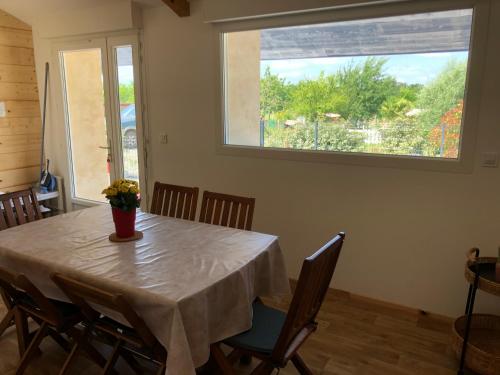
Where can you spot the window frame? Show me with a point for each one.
(477, 52)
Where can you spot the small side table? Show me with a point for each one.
(52, 196)
(480, 273)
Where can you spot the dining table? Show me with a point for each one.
(192, 283)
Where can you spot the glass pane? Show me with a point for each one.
(84, 94)
(127, 112)
(393, 85)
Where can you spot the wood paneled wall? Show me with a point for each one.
(20, 122)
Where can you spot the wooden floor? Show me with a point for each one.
(356, 336)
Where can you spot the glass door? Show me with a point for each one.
(83, 68)
(102, 101)
(126, 105)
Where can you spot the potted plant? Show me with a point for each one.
(124, 198)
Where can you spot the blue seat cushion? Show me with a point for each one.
(266, 328)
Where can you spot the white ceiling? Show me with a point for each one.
(29, 10)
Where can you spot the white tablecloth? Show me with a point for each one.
(192, 283)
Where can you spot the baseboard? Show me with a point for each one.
(344, 295)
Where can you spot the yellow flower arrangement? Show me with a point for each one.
(123, 194)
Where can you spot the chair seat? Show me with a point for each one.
(66, 309)
(267, 324)
(108, 326)
(107, 330)
(119, 327)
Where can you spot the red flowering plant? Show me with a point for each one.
(447, 134)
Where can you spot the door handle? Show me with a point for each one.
(104, 148)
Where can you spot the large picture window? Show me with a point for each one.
(392, 86)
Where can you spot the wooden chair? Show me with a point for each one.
(275, 336)
(174, 201)
(23, 300)
(128, 341)
(227, 210)
(18, 208)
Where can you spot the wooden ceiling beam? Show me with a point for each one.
(180, 7)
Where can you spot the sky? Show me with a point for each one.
(126, 74)
(410, 68)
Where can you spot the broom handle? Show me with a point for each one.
(472, 255)
(42, 156)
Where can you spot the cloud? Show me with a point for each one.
(286, 64)
(436, 55)
(326, 61)
(294, 74)
(413, 73)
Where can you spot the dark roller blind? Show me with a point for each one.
(418, 33)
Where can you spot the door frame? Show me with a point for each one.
(64, 165)
(112, 43)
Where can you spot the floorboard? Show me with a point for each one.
(356, 336)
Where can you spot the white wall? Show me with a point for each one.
(215, 10)
(51, 27)
(53, 19)
(407, 230)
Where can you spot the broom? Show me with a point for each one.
(47, 182)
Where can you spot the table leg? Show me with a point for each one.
(469, 308)
(22, 330)
(469, 298)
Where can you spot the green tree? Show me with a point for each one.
(442, 94)
(336, 137)
(363, 88)
(395, 107)
(312, 99)
(401, 136)
(399, 105)
(410, 92)
(126, 92)
(331, 137)
(274, 95)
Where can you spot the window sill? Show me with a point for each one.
(355, 159)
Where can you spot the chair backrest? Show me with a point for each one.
(174, 201)
(13, 286)
(314, 281)
(18, 208)
(227, 210)
(83, 295)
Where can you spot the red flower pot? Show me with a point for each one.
(124, 222)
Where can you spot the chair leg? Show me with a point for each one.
(82, 339)
(7, 301)
(112, 360)
(264, 368)
(94, 354)
(246, 359)
(300, 365)
(61, 341)
(221, 359)
(82, 343)
(236, 355)
(7, 321)
(32, 348)
(72, 354)
(22, 330)
(161, 369)
(132, 362)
